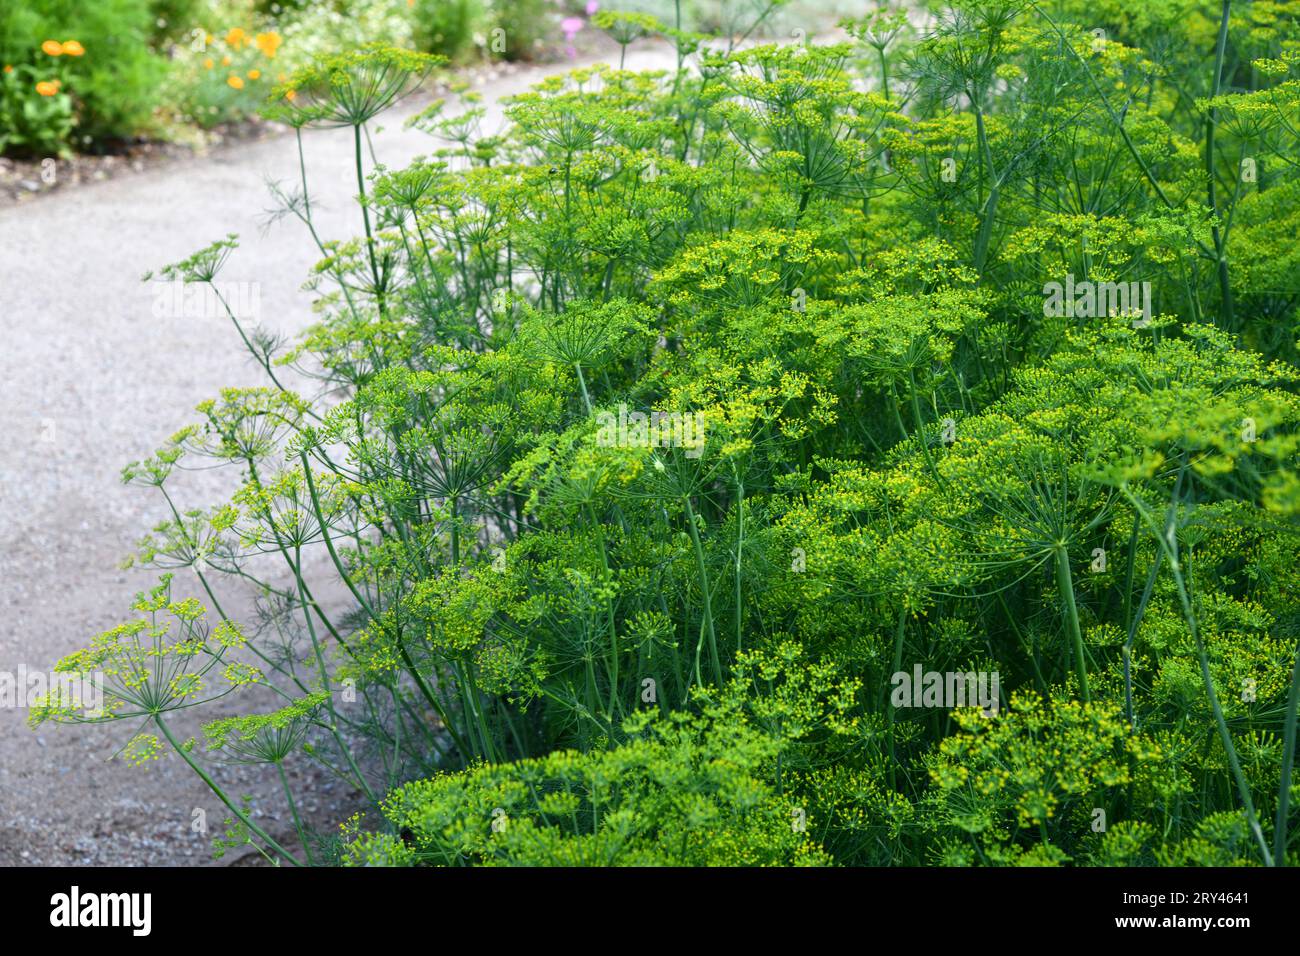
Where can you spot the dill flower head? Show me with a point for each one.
(586, 333)
(202, 266)
(265, 738)
(350, 89)
(167, 658)
(625, 27)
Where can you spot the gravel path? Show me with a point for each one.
(91, 380)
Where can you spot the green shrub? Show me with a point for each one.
(228, 75)
(678, 790)
(173, 20)
(323, 29)
(36, 118)
(524, 24)
(448, 27)
(114, 85)
(682, 792)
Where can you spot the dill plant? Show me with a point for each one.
(567, 650)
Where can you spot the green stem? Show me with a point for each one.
(365, 214)
(1211, 124)
(221, 794)
(455, 534)
(1281, 823)
(991, 201)
(293, 809)
(704, 588)
(890, 711)
(425, 691)
(1243, 789)
(740, 545)
(1168, 542)
(1065, 584)
(582, 381)
(920, 431)
(609, 619)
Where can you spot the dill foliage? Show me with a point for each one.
(652, 435)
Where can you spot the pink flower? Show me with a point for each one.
(592, 7)
(571, 26)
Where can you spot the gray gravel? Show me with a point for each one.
(91, 380)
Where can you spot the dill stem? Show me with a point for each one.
(221, 794)
(425, 691)
(1065, 584)
(1288, 765)
(293, 809)
(704, 589)
(890, 711)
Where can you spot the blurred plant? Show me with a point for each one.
(107, 79)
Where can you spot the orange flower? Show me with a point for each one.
(208, 64)
(9, 68)
(236, 81)
(268, 43)
(291, 95)
(225, 61)
(52, 47)
(73, 48)
(47, 87)
(254, 74)
(236, 37)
